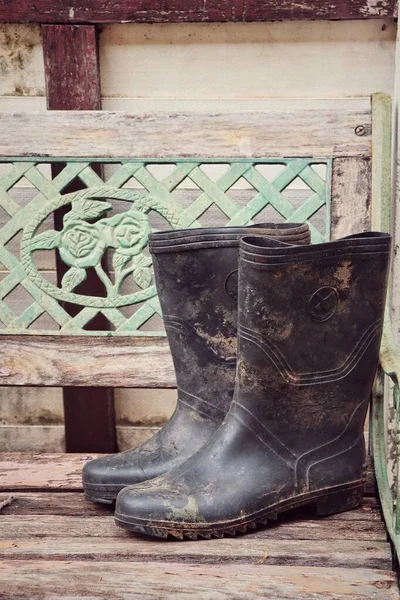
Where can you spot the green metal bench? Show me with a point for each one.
(160, 171)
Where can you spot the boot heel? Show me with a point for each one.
(336, 502)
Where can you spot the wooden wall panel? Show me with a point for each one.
(232, 61)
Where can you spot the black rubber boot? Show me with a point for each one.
(310, 323)
(196, 276)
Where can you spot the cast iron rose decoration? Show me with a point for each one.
(81, 244)
(130, 232)
(87, 236)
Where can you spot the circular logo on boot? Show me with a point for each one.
(231, 285)
(323, 303)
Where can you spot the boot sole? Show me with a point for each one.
(328, 501)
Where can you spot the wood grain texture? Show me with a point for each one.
(241, 550)
(29, 526)
(54, 544)
(351, 196)
(20, 471)
(185, 11)
(74, 504)
(127, 580)
(86, 361)
(92, 134)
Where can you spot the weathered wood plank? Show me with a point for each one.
(38, 471)
(74, 504)
(351, 196)
(83, 361)
(337, 553)
(29, 526)
(20, 471)
(179, 11)
(326, 133)
(127, 581)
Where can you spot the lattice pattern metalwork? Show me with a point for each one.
(240, 191)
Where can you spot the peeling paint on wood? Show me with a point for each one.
(185, 11)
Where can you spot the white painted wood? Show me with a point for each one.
(231, 105)
(32, 438)
(130, 437)
(234, 60)
(21, 61)
(51, 438)
(22, 103)
(320, 59)
(141, 407)
(30, 406)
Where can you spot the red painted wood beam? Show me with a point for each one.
(185, 11)
(73, 83)
(71, 67)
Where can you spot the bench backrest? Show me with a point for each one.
(320, 162)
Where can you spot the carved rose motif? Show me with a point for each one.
(130, 232)
(81, 245)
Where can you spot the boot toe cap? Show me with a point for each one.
(113, 470)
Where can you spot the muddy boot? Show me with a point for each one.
(196, 276)
(310, 323)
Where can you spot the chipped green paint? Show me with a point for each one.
(108, 220)
(381, 217)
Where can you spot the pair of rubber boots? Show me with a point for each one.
(281, 426)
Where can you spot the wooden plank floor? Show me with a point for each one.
(54, 544)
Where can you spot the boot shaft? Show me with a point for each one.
(310, 324)
(196, 276)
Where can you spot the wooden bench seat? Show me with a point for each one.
(55, 544)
